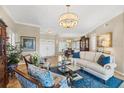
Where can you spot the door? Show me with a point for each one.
(47, 48)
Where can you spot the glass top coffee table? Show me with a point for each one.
(70, 70)
(73, 68)
(62, 67)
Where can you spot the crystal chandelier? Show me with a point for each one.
(68, 19)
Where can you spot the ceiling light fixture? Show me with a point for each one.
(68, 19)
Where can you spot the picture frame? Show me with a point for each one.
(28, 43)
(104, 40)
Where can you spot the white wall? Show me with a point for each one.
(93, 42)
(9, 22)
(116, 26)
(20, 30)
(7, 19)
(25, 30)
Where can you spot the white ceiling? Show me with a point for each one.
(47, 16)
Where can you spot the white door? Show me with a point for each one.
(47, 48)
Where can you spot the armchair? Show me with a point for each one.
(27, 59)
(28, 81)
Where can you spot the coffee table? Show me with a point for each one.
(73, 68)
(62, 67)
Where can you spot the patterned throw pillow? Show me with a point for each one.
(45, 78)
(42, 75)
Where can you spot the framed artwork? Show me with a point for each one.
(28, 43)
(104, 40)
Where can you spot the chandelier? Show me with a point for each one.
(68, 19)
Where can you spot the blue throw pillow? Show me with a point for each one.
(42, 75)
(99, 61)
(45, 78)
(76, 55)
(103, 60)
(106, 60)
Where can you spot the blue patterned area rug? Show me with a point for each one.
(91, 81)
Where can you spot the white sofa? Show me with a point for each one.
(88, 61)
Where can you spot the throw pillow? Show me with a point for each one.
(46, 78)
(42, 75)
(99, 61)
(105, 60)
(76, 55)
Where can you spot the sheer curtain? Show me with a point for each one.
(62, 46)
(12, 36)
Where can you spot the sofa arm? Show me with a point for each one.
(110, 66)
(28, 78)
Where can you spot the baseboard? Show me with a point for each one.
(120, 73)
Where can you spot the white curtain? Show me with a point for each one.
(76, 45)
(11, 36)
(62, 46)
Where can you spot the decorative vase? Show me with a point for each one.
(10, 67)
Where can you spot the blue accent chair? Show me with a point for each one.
(28, 81)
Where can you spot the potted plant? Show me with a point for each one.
(35, 59)
(13, 56)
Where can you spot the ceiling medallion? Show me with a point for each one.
(68, 19)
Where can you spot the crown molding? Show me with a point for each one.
(103, 22)
(81, 33)
(17, 22)
(27, 24)
(8, 13)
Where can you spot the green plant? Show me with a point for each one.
(13, 54)
(35, 59)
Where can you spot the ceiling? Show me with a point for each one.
(46, 17)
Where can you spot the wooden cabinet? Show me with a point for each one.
(84, 44)
(3, 58)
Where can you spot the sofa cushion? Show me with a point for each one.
(82, 62)
(96, 67)
(76, 55)
(92, 65)
(82, 55)
(42, 75)
(89, 56)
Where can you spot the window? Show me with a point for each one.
(11, 36)
(62, 46)
(76, 45)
